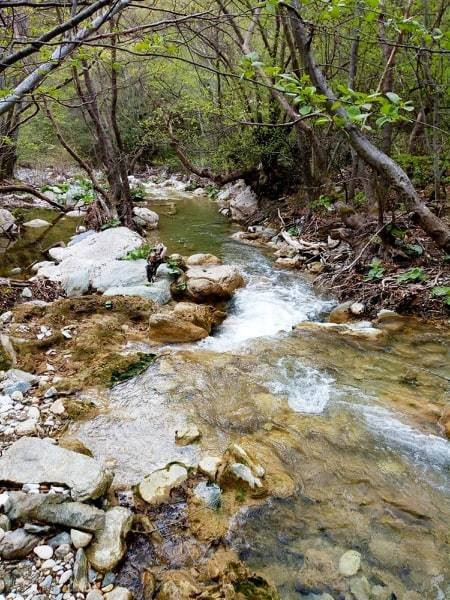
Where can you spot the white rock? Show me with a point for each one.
(119, 593)
(44, 552)
(80, 539)
(65, 577)
(26, 427)
(156, 487)
(7, 221)
(209, 465)
(6, 317)
(34, 413)
(188, 434)
(145, 217)
(350, 563)
(17, 396)
(48, 564)
(36, 223)
(94, 595)
(57, 407)
(357, 308)
(26, 293)
(243, 472)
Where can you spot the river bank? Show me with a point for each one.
(341, 488)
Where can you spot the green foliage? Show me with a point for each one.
(414, 275)
(442, 292)
(138, 193)
(414, 249)
(212, 191)
(420, 168)
(133, 369)
(322, 204)
(174, 268)
(293, 230)
(376, 270)
(141, 252)
(110, 224)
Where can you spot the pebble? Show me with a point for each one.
(44, 552)
(94, 595)
(34, 413)
(51, 392)
(26, 427)
(5, 523)
(119, 593)
(47, 582)
(26, 293)
(57, 407)
(349, 563)
(65, 577)
(48, 564)
(17, 396)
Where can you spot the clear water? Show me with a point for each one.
(352, 421)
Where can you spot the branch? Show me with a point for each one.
(7, 189)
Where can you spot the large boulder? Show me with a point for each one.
(187, 322)
(244, 206)
(202, 259)
(54, 509)
(35, 460)
(108, 546)
(92, 263)
(144, 217)
(7, 221)
(212, 282)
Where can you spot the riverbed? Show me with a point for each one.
(351, 420)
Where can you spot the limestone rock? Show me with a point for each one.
(93, 262)
(341, 314)
(119, 593)
(244, 205)
(54, 509)
(36, 223)
(158, 292)
(202, 315)
(43, 552)
(156, 487)
(241, 471)
(80, 539)
(213, 282)
(7, 220)
(38, 460)
(187, 435)
(144, 217)
(17, 544)
(80, 572)
(202, 259)
(168, 328)
(350, 563)
(108, 546)
(209, 465)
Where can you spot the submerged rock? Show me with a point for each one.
(108, 546)
(37, 460)
(156, 487)
(17, 544)
(349, 563)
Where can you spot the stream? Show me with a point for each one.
(351, 420)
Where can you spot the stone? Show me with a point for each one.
(156, 487)
(56, 510)
(80, 539)
(36, 223)
(26, 427)
(57, 408)
(65, 577)
(360, 588)
(63, 550)
(380, 592)
(243, 472)
(349, 563)
(93, 262)
(94, 595)
(187, 435)
(80, 572)
(288, 263)
(43, 552)
(48, 564)
(170, 329)
(108, 546)
(26, 293)
(209, 465)
(444, 421)
(341, 314)
(202, 315)
(17, 544)
(145, 217)
(108, 579)
(202, 259)
(60, 538)
(212, 282)
(7, 221)
(5, 523)
(119, 593)
(209, 494)
(6, 317)
(357, 308)
(159, 291)
(38, 460)
(166, 273)
(244, 205)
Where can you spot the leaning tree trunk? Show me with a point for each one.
(386, 168)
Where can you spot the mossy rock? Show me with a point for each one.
(256, 588)
(5, 362)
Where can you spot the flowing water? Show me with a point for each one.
(352, 421)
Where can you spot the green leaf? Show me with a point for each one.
(394, 98)
(305, 110)
(415, 274)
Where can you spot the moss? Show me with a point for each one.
(256, 588)
(5, 362)
(133, 369)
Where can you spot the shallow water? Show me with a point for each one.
(352, 421)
